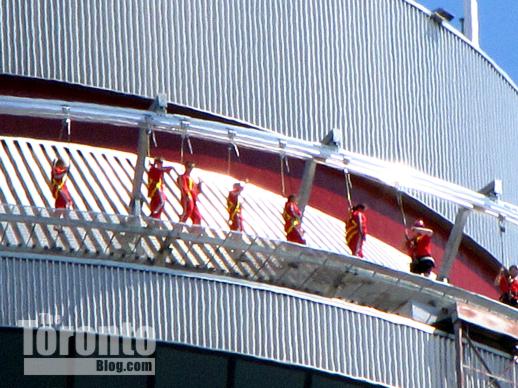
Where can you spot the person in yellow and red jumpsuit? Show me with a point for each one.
(235, 217)
(293, 221)
(58, 184)
(189, 195)
(155, 187)
(356, 229)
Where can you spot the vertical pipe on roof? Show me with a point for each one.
(471, 29)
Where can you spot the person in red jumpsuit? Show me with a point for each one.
(419, 246)
(507, 282)
(155, 187)
(356, 230)
(58, 184)
(189, 195)
(235, 217)
(293, 221)
(513, 286)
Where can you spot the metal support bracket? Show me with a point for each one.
(159, 105)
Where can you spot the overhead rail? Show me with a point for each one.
(26, 230)
(396, 175)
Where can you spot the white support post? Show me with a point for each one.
(307, 184)
(493, 190)
(142, 151)
(332, 140)
(471, 29)
(453, 244)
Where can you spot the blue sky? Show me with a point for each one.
(498, 20)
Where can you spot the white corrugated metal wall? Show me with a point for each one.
(225, 315)
(401, 87)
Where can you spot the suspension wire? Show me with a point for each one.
(229, 159)
(501, 230)
(285, 170)
(283, 187)
(348, 187)
(65, 130)
(184, 125)
(399, 196)
(231, 147)
(153, 136)
(149, 133)
(287, 167)
(148, 148)
(185, 140)
(287, 164)
(290, 183)
(181, 149)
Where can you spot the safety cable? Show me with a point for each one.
(185, 139)
(399, 197)
(283, 187)
(231, 147)
(229, 159)
(501, 230)
(184, 126)
(153, 136)
(285, 170)
(284, 165)
(348, 187)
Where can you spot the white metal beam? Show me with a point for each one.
(392, 174)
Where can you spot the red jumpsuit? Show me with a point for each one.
(420, 246)
(58, 177)
(420, 250)
(235, 217)
(513, 292)
(292, 223)
(189, 190)
(509, 289)
(155, 191)
(356, 232)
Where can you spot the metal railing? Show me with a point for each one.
(122, 238)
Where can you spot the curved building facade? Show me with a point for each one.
(246, 309)
(244, 319)
(250, 309)
(400, 86)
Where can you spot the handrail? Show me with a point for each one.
(396, 175)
